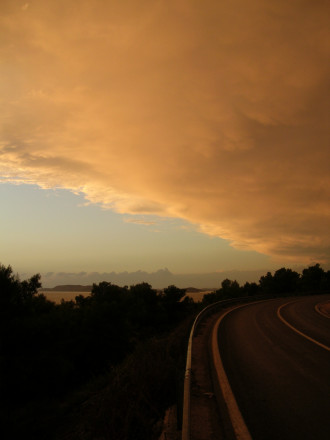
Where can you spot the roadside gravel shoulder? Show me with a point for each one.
(205, 417)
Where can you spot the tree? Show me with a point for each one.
(229, 289)
(283, 281)
(107, 292)
(144, 307)
(18, 297)
(266, 283)
(173, 294)
(143, 292)
(171, 300)
(312, 278)
(209, 298)
(250, 289)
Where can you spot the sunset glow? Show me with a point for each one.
(210, 117)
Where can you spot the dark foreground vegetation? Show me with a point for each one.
(312, 280)
(102, 366)
(105, 366)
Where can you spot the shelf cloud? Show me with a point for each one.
(214, 112)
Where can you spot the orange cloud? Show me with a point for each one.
(214, 112)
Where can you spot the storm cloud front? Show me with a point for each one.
(213, 112)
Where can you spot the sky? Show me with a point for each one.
(150, 134)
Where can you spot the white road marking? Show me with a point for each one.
(295, 329)
(240, 429)
(317, 308)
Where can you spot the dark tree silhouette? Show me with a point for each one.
(283, 281)
(313, 278)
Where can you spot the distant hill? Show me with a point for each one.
(68, 288)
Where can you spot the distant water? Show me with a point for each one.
(57, 296)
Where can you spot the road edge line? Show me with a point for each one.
(241, 431)
(296, 330)
(319, 311)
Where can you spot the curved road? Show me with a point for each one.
(276, 355)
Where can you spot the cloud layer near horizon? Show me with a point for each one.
(215, 112)
(159, 279)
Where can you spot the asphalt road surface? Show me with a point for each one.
(280, 378)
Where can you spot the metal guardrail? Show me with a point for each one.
(187, 378)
